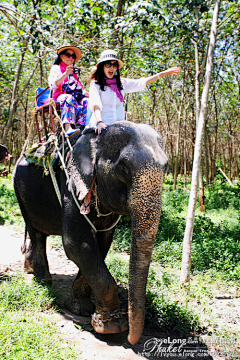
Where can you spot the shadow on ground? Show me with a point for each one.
(154, 343)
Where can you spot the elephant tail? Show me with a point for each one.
(24, 246)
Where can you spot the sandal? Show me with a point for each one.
(85, 209)
(72, 132)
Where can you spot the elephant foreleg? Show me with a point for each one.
(80, 302)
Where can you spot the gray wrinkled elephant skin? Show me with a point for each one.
(129, 163)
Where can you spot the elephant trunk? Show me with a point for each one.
(145, 208)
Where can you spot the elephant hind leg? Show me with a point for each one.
(80, 302)
(39, 256)
(27, 251)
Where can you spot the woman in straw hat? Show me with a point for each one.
(67, 89)
(106, 96)
(107, 90)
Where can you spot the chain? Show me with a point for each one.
(96, 205)
(116, 314)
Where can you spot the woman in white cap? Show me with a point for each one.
(67, 89)
(107, 90)
(106, 96)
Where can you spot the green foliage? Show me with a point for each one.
(9, 209)
(216, 241)
(222, 195)
(119, 268)
(25, 331)
(123, 234)
(169, 315)
(15, 295)
(216, 246)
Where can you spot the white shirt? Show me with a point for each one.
(112, 109)
(55, 73)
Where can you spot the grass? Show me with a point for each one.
(26, 330)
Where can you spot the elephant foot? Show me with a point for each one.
(43, 278)
(28, 267)
(28, 264)
(79, 309)
(109, 323)
(43, 282)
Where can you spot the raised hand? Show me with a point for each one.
(171, 71)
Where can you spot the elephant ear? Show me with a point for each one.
(81, 164)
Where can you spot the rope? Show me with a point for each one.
(55, 184)
(111, 227)
(53, 104)
(71, 189)
(97, 208)
(77, 203)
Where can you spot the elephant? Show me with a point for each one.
(129, 163)
(4, 154)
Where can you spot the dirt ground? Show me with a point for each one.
(78, 330)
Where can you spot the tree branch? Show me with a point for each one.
(27, 83)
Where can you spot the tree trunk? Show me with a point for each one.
(13, 100)
(179, 112)
(120, 7)
(184, 153)
(206, 157)
(186, 259)
(197, 97)
(209, 155)
(41, 68)
(177, 152)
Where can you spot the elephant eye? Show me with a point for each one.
(122, 167)
(123, 171)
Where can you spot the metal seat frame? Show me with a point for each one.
(42, 111)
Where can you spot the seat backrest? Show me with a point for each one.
(43, 97)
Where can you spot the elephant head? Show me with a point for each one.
(4, 154)
(130, 163)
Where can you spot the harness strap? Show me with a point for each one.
(71, 189)
(55, 184)
(77, 203)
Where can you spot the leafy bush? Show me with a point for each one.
(9, 210)
(223, 195)
(215, 245)
(169, 315)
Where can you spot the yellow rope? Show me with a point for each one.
(53, 104)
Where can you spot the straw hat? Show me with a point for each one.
(76, 50)
(109, 55)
